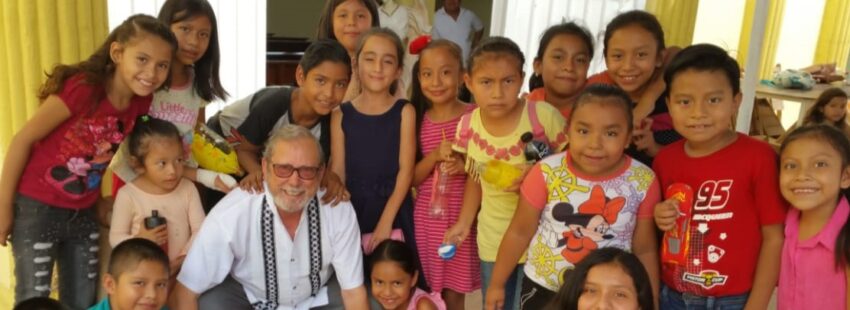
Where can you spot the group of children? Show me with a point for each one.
(578, 229)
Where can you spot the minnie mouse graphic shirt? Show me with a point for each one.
(581, 213)
(65, 168)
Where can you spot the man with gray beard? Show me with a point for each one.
(281, 249)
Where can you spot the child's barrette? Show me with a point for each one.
(145, 118)
(418, 44)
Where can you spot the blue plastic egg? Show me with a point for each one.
(446, 251)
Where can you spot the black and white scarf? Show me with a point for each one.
(269, 257)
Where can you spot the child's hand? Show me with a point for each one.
(253, 182)
(453, 166)
(158, 235)
(215, 180)
(381, 233)
(495, 298)
(456, 234)
(335, 191)
(445, 151)
(643, 138)
(666, 213)
(221, 186)
(642, 125)
(224, 183)
(6, 215)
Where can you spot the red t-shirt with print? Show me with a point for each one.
(65, 168)
(736, 192)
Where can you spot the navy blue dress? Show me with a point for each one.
(372, 145)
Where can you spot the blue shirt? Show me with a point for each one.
(104, 305)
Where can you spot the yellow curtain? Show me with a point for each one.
(769, 41)
(35, 35)
(677, 17)
(834, 39)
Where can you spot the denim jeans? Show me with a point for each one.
(42, 235)
(671, 299)
(512, 286)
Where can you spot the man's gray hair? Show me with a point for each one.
(288, 133)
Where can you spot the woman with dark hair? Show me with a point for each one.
(607, 277)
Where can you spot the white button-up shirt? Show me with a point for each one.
(230, 243)
(460, 31)
(396, 20)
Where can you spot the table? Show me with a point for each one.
(806, 98)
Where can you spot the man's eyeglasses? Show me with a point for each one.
(304, 173)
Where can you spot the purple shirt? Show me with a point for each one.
(808, 278)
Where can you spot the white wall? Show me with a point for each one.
(242, 40)
(719, 22)
(798, 36)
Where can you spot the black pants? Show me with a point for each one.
(534, 296)
(229, 295)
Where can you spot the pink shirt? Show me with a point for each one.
(808, 278)
(181, 209)
(419, 294)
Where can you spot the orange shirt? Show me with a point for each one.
(600, 78)
(539, 94)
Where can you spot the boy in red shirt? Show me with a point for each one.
(735, 232)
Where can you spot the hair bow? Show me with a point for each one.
(419, 43)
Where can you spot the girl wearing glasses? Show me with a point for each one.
(156, 153)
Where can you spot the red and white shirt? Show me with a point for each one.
(65, 168)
